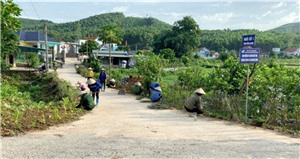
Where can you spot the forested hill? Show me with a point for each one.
(288, 28)
(134, 28)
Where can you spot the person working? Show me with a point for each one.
(156, 94)
(90, 73)
(94, 87)
(193, 103)
(86, 101)
(112, 83)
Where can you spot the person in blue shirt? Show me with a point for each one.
(102, 78)
(156, 94)
(95, 88)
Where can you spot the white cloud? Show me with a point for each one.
(123, 9)
(279, 5)
(174, 14)
(292, 17)
(219, 17)
(267, 13)
(255, 17)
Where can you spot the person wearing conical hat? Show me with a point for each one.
(95, 88)
(137, 88)
(193, 103)
(102, 78)
(156, 94)
(86, 100)
(90, 73)
(112, 83)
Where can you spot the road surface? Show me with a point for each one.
(123, 127)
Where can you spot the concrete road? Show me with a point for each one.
(123, 127)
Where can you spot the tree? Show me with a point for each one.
(9, 26)
(167, 54)
(150, 67)
(110, 34)
(184, 37)
(89, 45)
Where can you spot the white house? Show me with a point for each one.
(205, 53)
(292, 51)
(100, 43)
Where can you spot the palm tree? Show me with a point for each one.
(110, 34)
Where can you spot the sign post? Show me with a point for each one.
(247, 56)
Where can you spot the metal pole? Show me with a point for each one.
(87, 48)
(109, 49)
(46, 47)
(246, 117)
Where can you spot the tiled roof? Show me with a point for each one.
(34, 36)
(91, 38)
(291, 49)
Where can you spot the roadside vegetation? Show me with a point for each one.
(30, 102)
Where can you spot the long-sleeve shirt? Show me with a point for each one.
(90, 74)
(193, 102)
(87, 102)
(102, 76)
(155, 96)
(95, 87)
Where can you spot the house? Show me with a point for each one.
(117, 57)
(205, 53)
(215, 54)
(35, 42)
(93, 38)
(292, 52)
(69, 49)
(102, 45)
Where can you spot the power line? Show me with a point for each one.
(34, 10)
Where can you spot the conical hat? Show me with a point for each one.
(138, 84)
(113, 80)
(200, 91)
(91, 81)
(158, 88)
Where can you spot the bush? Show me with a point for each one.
(27, 106)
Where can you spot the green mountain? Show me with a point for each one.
(288, 28)
(137, 31)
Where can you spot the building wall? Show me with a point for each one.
(22, 43)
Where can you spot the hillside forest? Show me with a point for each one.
(142, 33)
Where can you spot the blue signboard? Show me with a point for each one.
(249, 55)
(248, 40)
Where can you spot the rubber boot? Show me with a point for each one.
(97, 101)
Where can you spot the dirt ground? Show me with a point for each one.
(123, 127)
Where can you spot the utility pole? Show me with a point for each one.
(87, 48)
(46, 46)
(109, 50)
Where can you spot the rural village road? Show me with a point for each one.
(123, 127)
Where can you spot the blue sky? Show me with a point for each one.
(213, 14)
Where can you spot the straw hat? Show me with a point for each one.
(200, 91)
(90, 68)
(138, 84)
(112, 80)
(90, 81)
(158, 88)
(102, 69)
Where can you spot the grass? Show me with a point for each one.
(32, 102)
